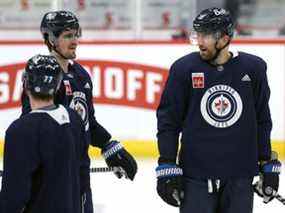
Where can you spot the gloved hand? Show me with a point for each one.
(117, 156)
(268, 183)
(169, 183)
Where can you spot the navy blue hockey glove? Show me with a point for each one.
(169, 183)
(117, 156)
(268, 184)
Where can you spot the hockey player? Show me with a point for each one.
(61, 31)
(218, 101)
(44, 149)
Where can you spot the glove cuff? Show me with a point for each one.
(163, 160)
(111, 148)
(168, 170)
(273, 166)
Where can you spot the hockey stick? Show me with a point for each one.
(119, 171)
(280, 198)
(99, 170)
(106, 169)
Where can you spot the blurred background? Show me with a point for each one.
(127, 47)
(141, 19)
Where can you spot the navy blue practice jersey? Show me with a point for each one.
(76, 92)
(44, 163)
(222, 113)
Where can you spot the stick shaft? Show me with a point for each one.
(93, 170)
(280, 198)
(102, 169)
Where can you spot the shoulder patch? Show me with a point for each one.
(198, 80)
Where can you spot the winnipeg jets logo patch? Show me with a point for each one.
(78, 103)
(221, 106)
(198, 80)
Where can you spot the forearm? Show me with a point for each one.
(99, 135)
(263, 140)
(168, 145)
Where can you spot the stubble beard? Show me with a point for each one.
(207, 55)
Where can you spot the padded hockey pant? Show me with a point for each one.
(218, 196)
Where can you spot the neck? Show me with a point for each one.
(37, 104)
(223, 57)
(62, 61)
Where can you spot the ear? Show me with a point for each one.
(224, 40)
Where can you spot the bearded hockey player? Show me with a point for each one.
(218, 101)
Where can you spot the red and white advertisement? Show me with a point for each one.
(128, 79)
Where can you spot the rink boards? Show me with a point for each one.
(128, 79)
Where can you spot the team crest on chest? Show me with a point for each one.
(78, 103)
(221, 106)
(198, 80)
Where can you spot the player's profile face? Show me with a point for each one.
(206, 43)
(67, 43)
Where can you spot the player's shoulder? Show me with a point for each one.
(251, 60)
(188, 59)
(22, 125)
(20, 130)
(254, 65)
(14, 125)
(185, 63)
(79, 70)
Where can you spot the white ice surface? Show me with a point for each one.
(112, 195)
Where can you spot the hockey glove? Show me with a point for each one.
(268, 183)
(117, 156)
(169, 183)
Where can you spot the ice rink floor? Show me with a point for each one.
(113, 195)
